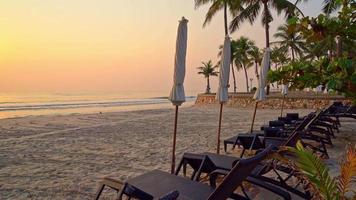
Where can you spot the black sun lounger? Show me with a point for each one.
(162, 185)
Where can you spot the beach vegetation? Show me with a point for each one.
(241, 56)
(207, 70)
(330, 55)
(316, 176)
(231, 6)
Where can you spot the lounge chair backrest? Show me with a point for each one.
(237, 175)
(293, 116)
(286, 120)
(276, 123)
(272, 132)
(305, 123)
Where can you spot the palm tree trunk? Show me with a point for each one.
(233, 76)
(267, 35)
(246, 77)
(225, 18)
(207, 85)
(256, 71)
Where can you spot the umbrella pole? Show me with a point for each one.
(174, 141)
(254, 116)
(284, 96)
(218, 140)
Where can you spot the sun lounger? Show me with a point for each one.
(162, 185)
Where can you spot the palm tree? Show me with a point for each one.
(240, 56)
(255, 54)
(207, 69)
(253, 8)
(279, 56)
(289, 39)
(234, 7)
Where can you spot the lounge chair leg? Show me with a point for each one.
(242, 153)
(100, 190)
(112, 183)
(244, 192)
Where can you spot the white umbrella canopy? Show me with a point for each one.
(319, 88)
(284, 89)
(224, 72)
(284, 93)
(222, 95)
(177, 95)
(260, 94)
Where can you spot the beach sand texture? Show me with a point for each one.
(65, 156)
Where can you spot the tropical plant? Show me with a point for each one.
(336, 70)
(331, 6)
(256, 55)
(253, 8)
(207, 69)
(279, 56)
(234, 6)
(289, 39)
(241, 57)
(314, 171)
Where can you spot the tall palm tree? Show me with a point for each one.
(241, 57)
(234, 7)
(255, 54)
(253, 8)
(207, 69)
(289, 39)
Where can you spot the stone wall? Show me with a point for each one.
(293, 100)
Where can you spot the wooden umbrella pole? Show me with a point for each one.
(219, 130)
(284, 96)
(174, 142)
(254, 116)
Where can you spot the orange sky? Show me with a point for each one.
(111, 45)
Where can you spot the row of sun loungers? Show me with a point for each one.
(314, 130)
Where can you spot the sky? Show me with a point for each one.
(111, 45)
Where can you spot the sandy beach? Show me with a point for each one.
(65, 156)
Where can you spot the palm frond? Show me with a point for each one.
(214, 8)
(330, 6)
(316, 171)
(250, 13)
(348, 171)
(199, 3)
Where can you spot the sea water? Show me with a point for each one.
(25, 104)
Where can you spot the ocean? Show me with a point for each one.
(26, 104)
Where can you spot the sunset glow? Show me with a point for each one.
(60, 46)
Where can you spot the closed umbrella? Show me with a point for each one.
(284, 93)
(222, 95)
(260, 94)
(177, 95)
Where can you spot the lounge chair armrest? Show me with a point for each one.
(214, 175)
(285, 195)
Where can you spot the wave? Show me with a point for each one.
(84, 104)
